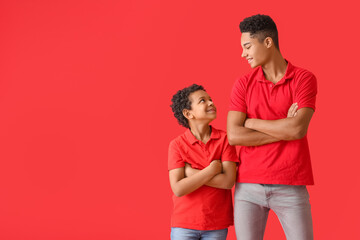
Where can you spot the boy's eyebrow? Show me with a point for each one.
(203, 96)
(246, 44)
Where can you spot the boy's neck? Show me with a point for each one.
(275, 69)
(201, 132)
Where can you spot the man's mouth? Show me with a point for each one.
(249, 60)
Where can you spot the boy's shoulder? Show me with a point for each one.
(178, 139)
(217, 134)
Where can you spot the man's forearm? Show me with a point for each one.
(290, 128)
(284, 129)
(249, 137)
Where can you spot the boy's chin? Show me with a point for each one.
(212, 119)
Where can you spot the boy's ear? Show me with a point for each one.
(187, 113)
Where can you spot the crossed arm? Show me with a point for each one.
(254, 132)
(186, 179)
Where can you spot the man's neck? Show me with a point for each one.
(201, 132)
(275, 69)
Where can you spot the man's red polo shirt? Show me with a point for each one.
(206, 208)
(284, 162)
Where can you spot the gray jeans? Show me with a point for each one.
(290, 203)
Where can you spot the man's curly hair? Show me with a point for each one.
(261, 27)
(181, 101)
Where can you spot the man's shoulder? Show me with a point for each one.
(253, 74)
(300, 72)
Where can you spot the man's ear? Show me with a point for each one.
(268, 42)
(187, 114)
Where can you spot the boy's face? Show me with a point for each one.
(256, 53)
(202, 107)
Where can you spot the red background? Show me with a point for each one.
(85, 89)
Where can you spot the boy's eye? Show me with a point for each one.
(248, 47)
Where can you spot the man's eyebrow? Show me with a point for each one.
(246, 44)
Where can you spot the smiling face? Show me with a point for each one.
(202, 107)
(255, 52)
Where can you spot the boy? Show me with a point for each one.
(202, 170)
(275, 159)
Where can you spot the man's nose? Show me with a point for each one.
(243, 54)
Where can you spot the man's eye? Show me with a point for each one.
(248, 47)
(202, 100)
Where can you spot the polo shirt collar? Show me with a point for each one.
(192, 139)
(289, 74)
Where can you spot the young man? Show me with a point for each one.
(275, 161)
(202, 170)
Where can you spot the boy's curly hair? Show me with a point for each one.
(181, 101)
(260, 26)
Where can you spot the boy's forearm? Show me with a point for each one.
(191, 183)
(223, 180)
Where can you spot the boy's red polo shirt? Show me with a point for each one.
(206, 208)
(284, 162)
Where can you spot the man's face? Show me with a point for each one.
(255, 52)
(202, 107)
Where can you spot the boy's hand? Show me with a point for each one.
(216, 166)
(292, 110)
(189, 171)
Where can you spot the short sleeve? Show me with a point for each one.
(238, 96)
(306, 90)
(229, 152)
(174, 157)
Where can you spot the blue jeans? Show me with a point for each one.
(290, 203)
(191, 234)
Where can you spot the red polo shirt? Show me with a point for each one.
(284, 162)
(206, 208)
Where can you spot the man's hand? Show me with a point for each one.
(247, 123)
(292, 112)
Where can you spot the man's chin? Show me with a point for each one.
(253, 65)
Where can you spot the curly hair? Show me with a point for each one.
(261, 27)
(181, 101)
